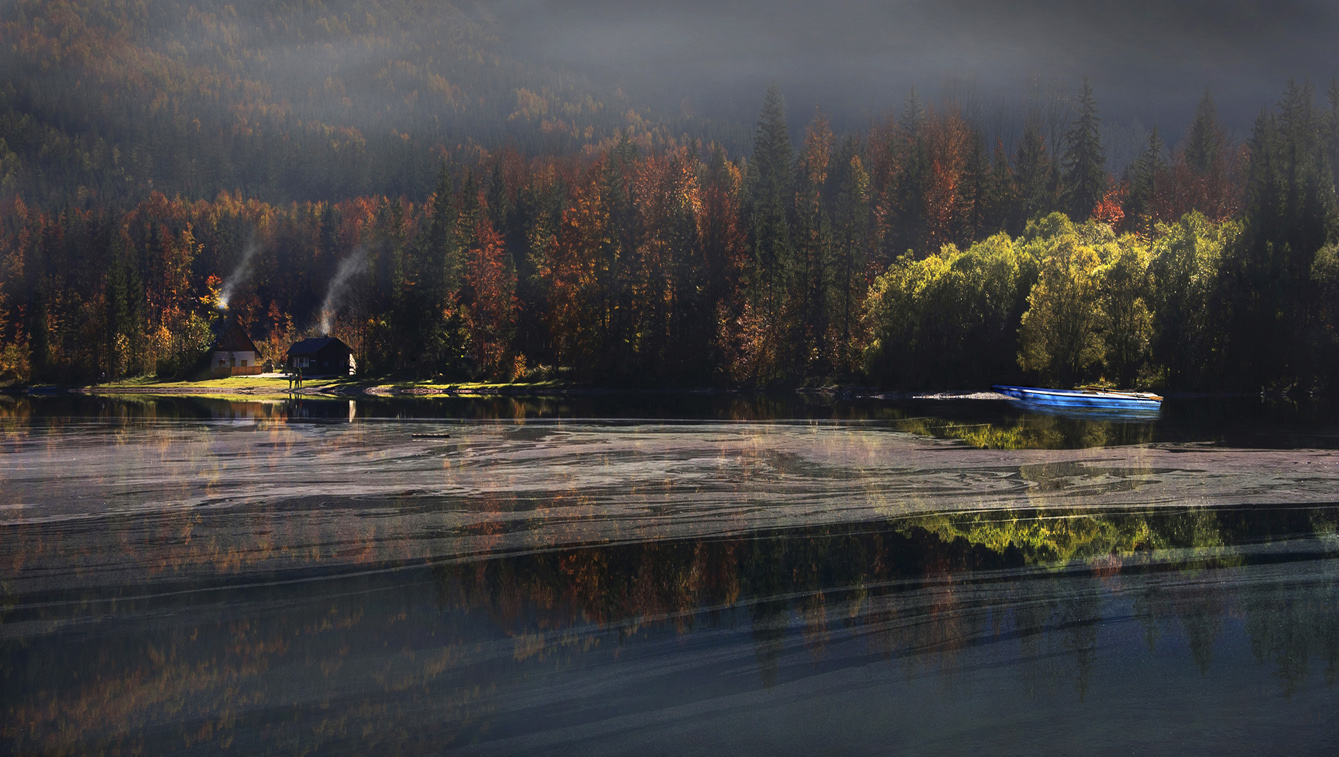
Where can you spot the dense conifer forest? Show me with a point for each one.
(454, 214)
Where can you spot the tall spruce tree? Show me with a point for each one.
(1332, 130)
(973, 195)
(913, 160)
(851, 236)
(1143, 179)
(1001, 201)
(441, 253)
(1205, 141)
(125, 313)
(441, 274)
(1032, 174)
(770, 182)
(1085, 177)
(812, 235)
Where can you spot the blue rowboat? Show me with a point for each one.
(1083, 399)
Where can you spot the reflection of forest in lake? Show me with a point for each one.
(184, 575)
(557, 649)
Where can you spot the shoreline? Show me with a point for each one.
(277, 390)
(271, 387)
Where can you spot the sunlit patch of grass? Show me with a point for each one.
(278, 386)
(248, 385)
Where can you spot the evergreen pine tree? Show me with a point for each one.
(1143, 179)
(1002, 210)
(973, 194)
(913, 161)
(1332, 130)
(499, 202)
(770, 184)
(812, 236)
(851, 221)
(1085, 179)
(441, 254)
(1032, 172)
(125, 316)
(1204, 141)
(913, 113)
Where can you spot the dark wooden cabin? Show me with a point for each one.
(321, 356)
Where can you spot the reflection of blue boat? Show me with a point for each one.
(1083, 399)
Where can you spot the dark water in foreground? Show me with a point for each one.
(775, 577)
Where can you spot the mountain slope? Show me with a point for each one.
(314, 99)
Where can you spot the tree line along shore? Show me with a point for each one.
(911, 255)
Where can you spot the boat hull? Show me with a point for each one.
(1082, 399)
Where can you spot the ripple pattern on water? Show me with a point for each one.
(192, 497)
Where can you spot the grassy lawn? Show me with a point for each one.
(465, 387)
(229, 382)
(279, 385)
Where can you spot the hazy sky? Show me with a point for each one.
(1147, 59)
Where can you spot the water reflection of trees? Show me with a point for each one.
(923, 592)
(1034, 431)
(1291, 625)
(986, 425)
(236, 674)
(913, 590)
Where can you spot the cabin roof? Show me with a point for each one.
(315, 344)
(229, 336)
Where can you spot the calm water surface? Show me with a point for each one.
(666, 575)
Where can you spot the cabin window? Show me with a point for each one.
(222, 363)
(243, 362)
(232, 362)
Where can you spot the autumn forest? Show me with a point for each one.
(152, 184)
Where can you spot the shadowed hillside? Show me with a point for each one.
(284, 100)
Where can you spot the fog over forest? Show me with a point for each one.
(552, 75)
(1148, 59)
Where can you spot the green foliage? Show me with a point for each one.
(186, 351)
(1127, 321)
(1090, 313)
(1186, 270)
(950, 315)
(1059, 337)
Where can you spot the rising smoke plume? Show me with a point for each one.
(339, 285)
(239, 274)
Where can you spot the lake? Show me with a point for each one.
(665, 574)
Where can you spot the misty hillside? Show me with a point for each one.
(318, 99)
